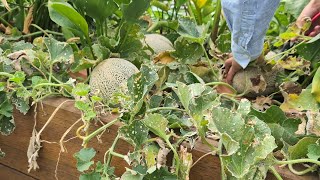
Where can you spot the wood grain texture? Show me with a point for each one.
(15, 146)
(12, 174)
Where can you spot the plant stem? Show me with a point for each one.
(165, 108)
(223, 84)
(300, 173)
(216, 21)
(111, 150)
(209, 62)
(296, 161)
(275, 173)
(92, 135)
(175, 154)
(8, 75)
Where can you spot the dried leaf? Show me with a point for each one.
(28, 20)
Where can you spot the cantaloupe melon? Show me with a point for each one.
(158, 43)
(110, 74)
(247, 81)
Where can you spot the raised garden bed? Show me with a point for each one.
(15, 164)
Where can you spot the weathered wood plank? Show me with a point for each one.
(12, 174)
(16, 146)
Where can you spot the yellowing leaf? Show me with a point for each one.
(200, 3)
(315, 91)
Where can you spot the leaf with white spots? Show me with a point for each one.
(136, 133)
(157, 124)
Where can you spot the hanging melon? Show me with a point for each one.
(110, 74)
(158, 43)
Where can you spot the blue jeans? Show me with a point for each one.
(248, 21)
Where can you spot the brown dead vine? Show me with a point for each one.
(35, 141)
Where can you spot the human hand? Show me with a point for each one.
(310, 11)
(231, 68)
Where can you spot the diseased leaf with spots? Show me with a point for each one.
(157, 124)
(136, 133)
(283, 128)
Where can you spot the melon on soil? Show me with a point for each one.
(110, 74)
(158, 43)
(243, 81)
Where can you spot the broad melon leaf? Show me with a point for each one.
(59, 51)
(90, 176)
(7, 125)
(139, 85)
(310, 52)
(160, 174)
(135, 9)
(188, 27)
(157, 124)
(224, 43)
(187, 52)
(130, 40)
(99, 10)
(84, 158)
(101, 52)
(66, 16)
(132, 175)
(315, 91)
(136, 134)
(247, 143)
(300, 149)
(314, 151)
(303, 102)
(282, 128)
(295, 7)
(21, 104)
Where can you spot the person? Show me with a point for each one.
(248, 21)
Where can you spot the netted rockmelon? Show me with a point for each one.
(158, 43)
(109, 75)
(255, 81)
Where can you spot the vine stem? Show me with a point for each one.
(62, 149)
(300, 173)
(222, 84)
(297, 161)
(102, 128)
(6, 74)
(165, 108)
(198, 160)
(110, 151)
(209, 62)
(175, 154)
(275, 173)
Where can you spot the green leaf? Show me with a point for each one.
(295, 7)
(188, 27)
(18, 77)
(59, 51)
(66, 16)
(2, 154)
(21, 105)
(84, 157)
(136, 134)
(81, 89)
(187, 52)
(139, 85)
(7, 125)
(90, 176)
(161, 174)
(131, 175)
(224, 43)
(132, 11)
(310, 52)
(81, 64)
(282, 128)
(314, 151)
(300, 149)
(99, 10)
(157, 124)
(6, 107)
(101, 52)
